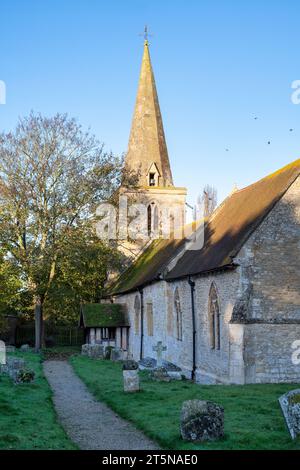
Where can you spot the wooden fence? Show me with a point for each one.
(54, 335)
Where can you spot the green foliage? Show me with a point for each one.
(25, 376)
(103, 315)
(253, 419)
(53, 175)
(21, 407)
(294, 399)
(81, 273)
(10, 288)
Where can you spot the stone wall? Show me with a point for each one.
(264, 290)
(212, 365)
(270, 262)
(268, 353)
(270, 266)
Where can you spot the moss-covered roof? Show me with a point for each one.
(224, 234)
(103, 315)
(149, 266)
(237, 218)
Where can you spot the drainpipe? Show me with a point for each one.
(142, 323)
(192, 286)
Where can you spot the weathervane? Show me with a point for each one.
(146, 34)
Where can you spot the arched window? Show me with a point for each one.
(155, 219)
(152, 219)
(137, 310)
(149, 220)
(178, 312)
(214, 318)
(149, 311)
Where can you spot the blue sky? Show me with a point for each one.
(218, 65)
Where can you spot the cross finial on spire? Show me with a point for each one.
(146, 34)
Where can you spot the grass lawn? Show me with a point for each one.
(27, 416)
(253, 418)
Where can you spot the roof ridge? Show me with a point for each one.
(270, 175)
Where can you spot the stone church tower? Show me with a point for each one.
(147, 157)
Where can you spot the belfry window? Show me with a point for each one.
(153, 175)
(152, 179)
(214, 318)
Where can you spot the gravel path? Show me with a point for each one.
(89, 423)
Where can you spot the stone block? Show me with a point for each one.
(201, 421)
(131, 380)
(290, 406)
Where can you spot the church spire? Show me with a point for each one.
(147, 150)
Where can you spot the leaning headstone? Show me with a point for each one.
(160, 374)
(147, 363)
(131, 378)
(201, 421)
(174, 375)
(290, 405)
(25, 348)
(10, 349)
(174, 372)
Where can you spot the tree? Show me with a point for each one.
(52, 177)
(82, 272)
(209, 200)
(10, 289)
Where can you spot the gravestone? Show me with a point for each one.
(25, 348)
(131, 376)
(160, 374)
(201, 421)
(116, 354)
(159, 348)
(2, 353)
(17, 371)
(290, 406)
(149, 363)
(84, 349)
(95, 351)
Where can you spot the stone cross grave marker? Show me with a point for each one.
(159, 348)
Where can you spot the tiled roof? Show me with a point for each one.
(224, 234)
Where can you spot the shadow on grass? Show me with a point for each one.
(253, 419)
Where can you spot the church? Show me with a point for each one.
(228, 311)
